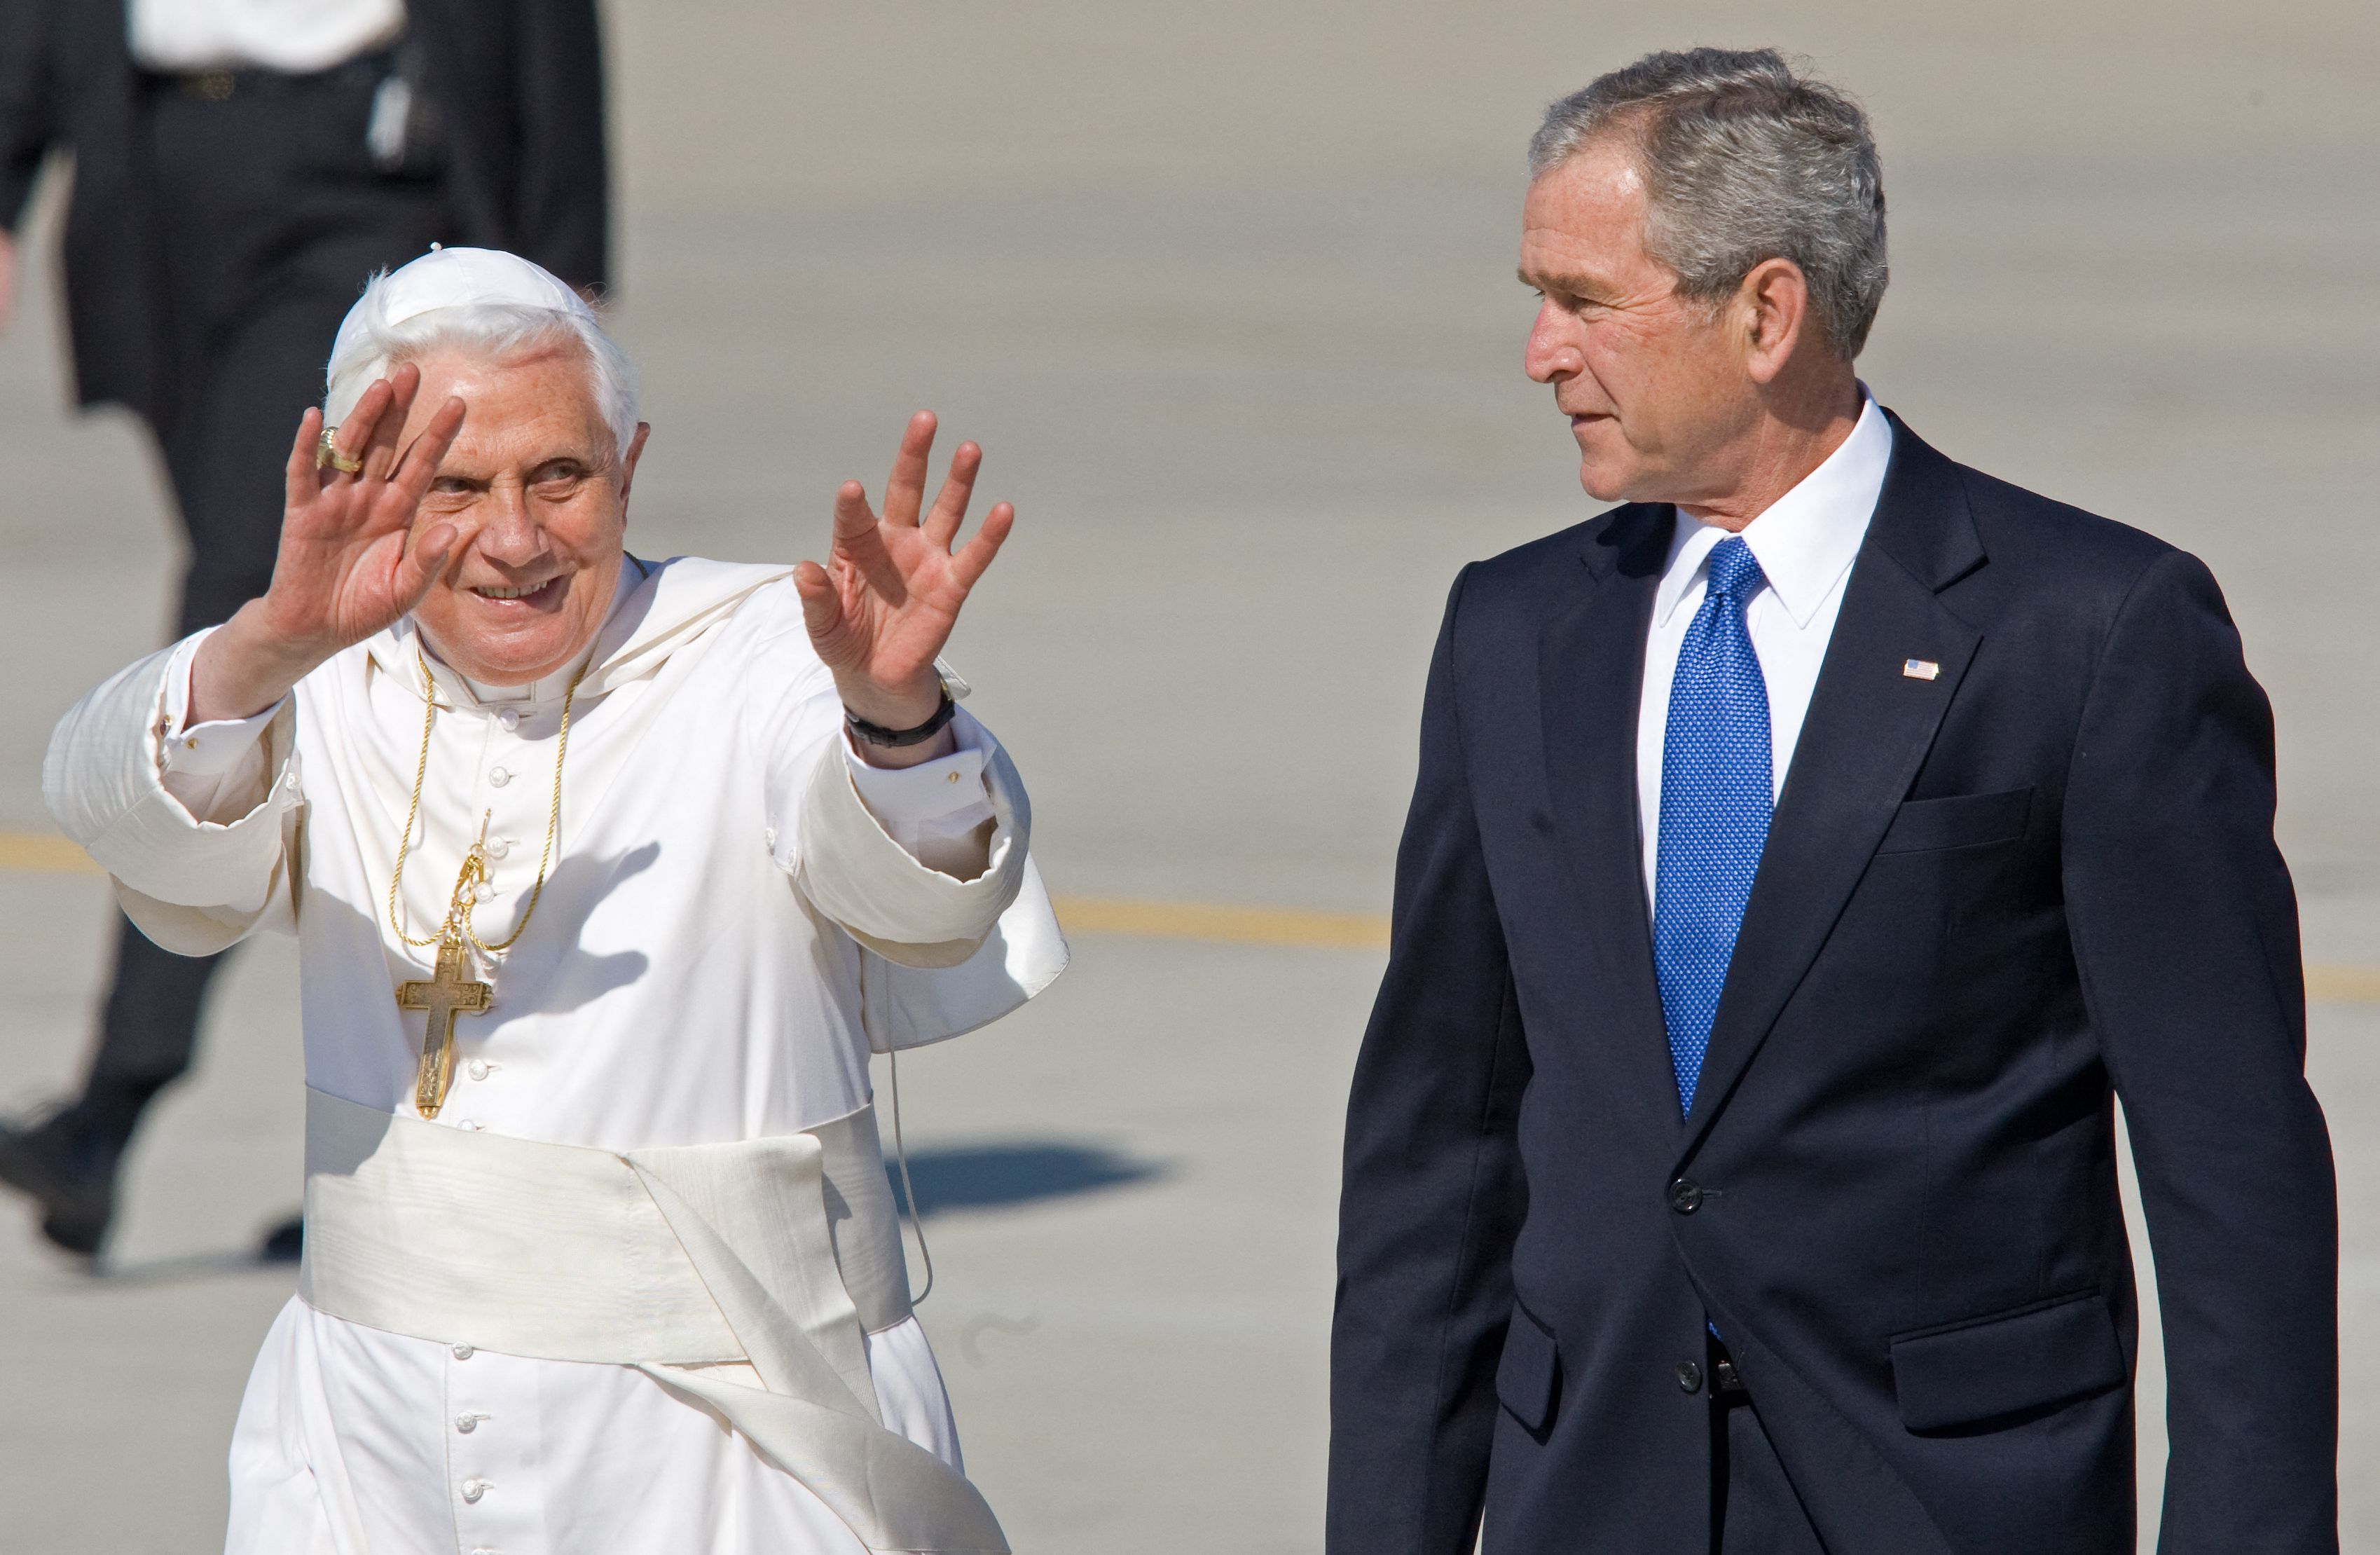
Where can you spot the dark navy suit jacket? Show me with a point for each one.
(1990, 901)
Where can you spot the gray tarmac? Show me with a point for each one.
(1226, 293)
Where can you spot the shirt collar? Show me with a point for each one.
(1807, 538)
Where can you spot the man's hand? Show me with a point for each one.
(882, 606)
(350, 564)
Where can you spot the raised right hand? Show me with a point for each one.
(349, 563)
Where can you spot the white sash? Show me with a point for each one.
(776, 1253)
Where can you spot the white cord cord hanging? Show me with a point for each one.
(908, 1193)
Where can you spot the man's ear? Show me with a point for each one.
(628, 461)
(1773, 305)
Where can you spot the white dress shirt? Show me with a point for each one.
(1805, 544)
(296, 36)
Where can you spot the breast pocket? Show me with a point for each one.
(1961, 820)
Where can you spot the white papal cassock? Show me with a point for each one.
(736, 913)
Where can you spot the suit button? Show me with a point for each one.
(1690, 1378)
(1685, 1196)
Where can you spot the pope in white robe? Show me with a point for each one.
(617, 1271)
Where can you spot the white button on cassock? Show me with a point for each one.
(500, 777)
(509, 719)
(474, 1488)
(463, 1352)
(478, 1069)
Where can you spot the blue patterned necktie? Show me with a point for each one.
(1715, 798)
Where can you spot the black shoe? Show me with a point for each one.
(71, 1168)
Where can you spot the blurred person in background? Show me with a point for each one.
(1805, 855)
(239, 167)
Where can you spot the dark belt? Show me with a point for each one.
(246, 80)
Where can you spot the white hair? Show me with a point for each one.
(491, 331)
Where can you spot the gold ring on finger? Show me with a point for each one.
(326, 451)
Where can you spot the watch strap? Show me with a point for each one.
(878, 735)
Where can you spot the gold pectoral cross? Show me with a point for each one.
(447, 994)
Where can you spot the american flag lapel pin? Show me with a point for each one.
(1921, 668)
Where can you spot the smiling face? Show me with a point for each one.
(1656, 386)
(540, 503)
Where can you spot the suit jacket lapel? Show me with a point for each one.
(1591, 665)
(1868, 729)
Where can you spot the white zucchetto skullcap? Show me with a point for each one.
(456, 278)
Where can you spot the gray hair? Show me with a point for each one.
(1744, 161)
(493, 331)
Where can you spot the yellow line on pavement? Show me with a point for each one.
(2342, 985)
(42, 853)
(1210, 921)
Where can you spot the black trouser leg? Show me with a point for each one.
(271, 215)
(151, 1020)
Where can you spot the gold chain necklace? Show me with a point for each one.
(448, 993)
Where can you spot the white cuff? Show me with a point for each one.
(203, 751)
(936, 810)
(892, 900)
(104, 780)
(926, 791)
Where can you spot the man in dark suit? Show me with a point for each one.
(1803, 855)
(239, 170)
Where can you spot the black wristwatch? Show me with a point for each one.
(876, 733)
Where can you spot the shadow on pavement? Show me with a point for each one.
(994, 1176)
(279, 1246)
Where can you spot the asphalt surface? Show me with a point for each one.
(1226, 293)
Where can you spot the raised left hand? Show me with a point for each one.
(882, 606)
